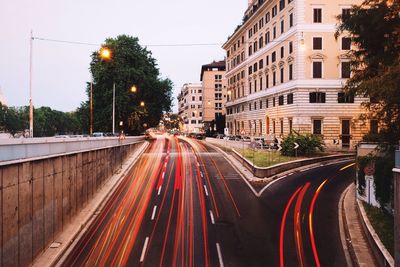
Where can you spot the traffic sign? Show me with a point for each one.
(296, 145)
(242, 132)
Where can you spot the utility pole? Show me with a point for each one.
(30, 87)
(91, 106)
(113, 110)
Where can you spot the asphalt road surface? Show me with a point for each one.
(182, 204)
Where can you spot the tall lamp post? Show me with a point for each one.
(30, 88)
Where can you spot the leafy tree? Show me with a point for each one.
(374, 27)
(129, 64)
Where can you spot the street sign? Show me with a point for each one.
(296, 145)
(242, 132)
(336, 142)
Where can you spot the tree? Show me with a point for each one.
(130, 64)
(374, 27)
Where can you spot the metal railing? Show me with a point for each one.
(19, 149)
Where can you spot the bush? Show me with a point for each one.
(308, 144)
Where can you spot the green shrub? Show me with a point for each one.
(308, 144)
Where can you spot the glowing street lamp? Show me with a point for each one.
(133, 89)
(105, 53)
(142, 103)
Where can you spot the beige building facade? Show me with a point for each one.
(214, 95)
(190, 107)
(286, 71)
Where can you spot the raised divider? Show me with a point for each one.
(40, 196)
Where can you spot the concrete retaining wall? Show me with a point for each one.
(263, 172)
(39, 197)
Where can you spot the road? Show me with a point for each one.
(182, 204)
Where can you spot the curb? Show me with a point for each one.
(53, 256)
(381, 254)
(348, 249)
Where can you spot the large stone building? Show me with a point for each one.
(190, 107)
(286, 71)
(214, 95)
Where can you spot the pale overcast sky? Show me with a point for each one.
(61, 70)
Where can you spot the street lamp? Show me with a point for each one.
(105, 53)
(142, 103)
(133, 89)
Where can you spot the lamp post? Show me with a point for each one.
(30, 88)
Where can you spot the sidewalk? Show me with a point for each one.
(70, 234)
(355, 242)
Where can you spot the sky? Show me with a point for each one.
(60, 71)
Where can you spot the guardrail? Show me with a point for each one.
(19, 149)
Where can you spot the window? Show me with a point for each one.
(274, 11)
(281, 123)
(261, 23)
(250, 33)
(290, 99)
(273, 126)
(250, 70)
(317, 15)
(267, 103)
(374, 126)
(255, 67)
(261, 63)
(290, 72)
(317, 43)
(317, 127)
(346, 12)
(282, 74)
(267, 60)
(266, 81)
(267, 38)
(193, 98)
(201, 115)
(260, 104)
(273, 57)
(346, 43)
(282, 51)
(282, 26)
(255, 46)
(193, 121)
(290, 125)
(261, 83)
(274, 78)
(281, 4)
(345, 98)
(273, 102)
(291, 20)
(250, 50)
(274, 32)
(267, 17)
(249, 87)
(280, 100)
(317, 69)
(249, 106)
(317, 97)
(260, 42)
(290, 47)
(255, 86)
(345, 70)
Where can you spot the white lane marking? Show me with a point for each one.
(159, 190)
(154, 213)
(212, 217)
(165, 165)
(198, 165)
(163, 175)
(221, 263)
(201, 175)
(144, 249)
(205, 189)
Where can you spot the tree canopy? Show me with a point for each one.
(374, 27)
(129, 65)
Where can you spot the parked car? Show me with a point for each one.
(246, 139)
(238, 138)
(98, 134)
(232, 138)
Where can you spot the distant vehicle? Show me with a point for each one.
(238, 138)
(200, 136)
(220, 136)
(98, 134)
(232, 138)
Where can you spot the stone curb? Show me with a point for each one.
(381, 253)
(349, 253)
(71, 234)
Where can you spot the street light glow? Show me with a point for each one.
(133, 89)
(142, 103)
(105, 53)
